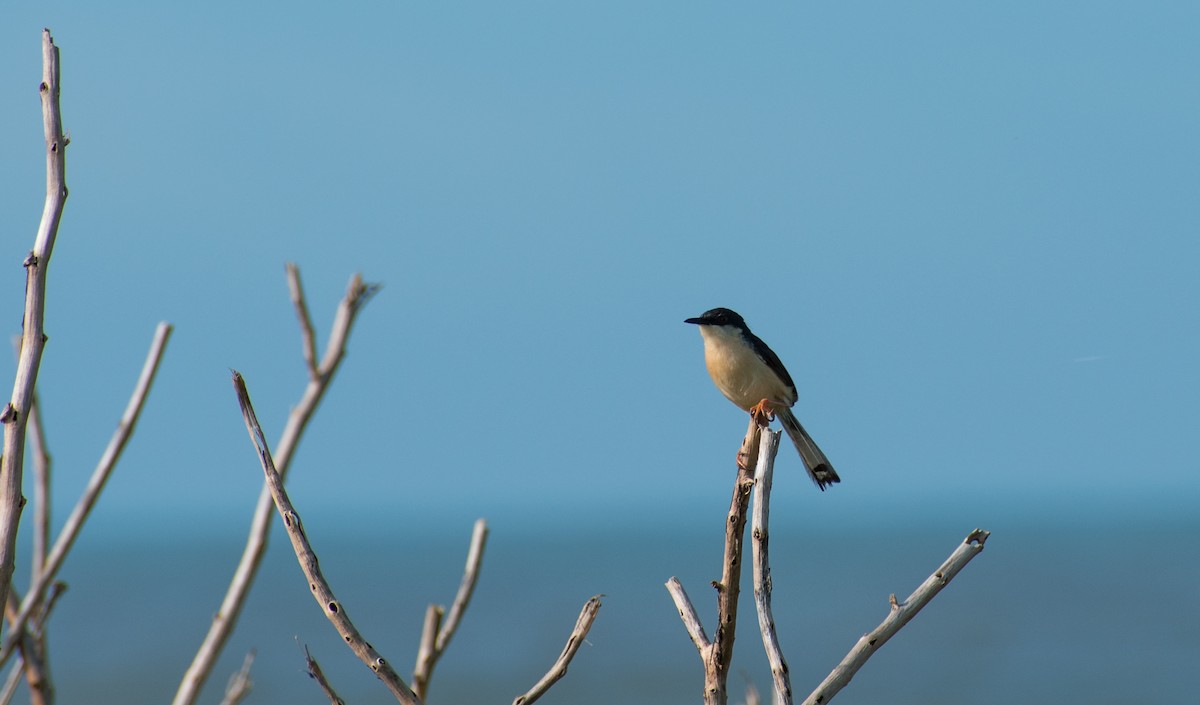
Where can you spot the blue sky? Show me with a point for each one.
(969, 230)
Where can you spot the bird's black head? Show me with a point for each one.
(719, 317)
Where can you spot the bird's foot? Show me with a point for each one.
(762, 413)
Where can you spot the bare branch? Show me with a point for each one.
(314, 672)
(308, 338)
(12, 681)
(586, 616)
(718, 653)
(108, 461)
(728, 590)
(465, 588)
(35, 670)
(687, 612)
(763, 476)
(239, 683)
(357, 294)
(30, 663)
(427, 651)
(41, 485)
(898, 616)
(333, 609)
(437, 634)
(33, 337)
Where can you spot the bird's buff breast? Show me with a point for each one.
(741, 376)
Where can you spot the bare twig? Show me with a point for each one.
(718, 653)
(691, 620)
(239, 683)
(35, 670)
(466, 587)
(33, 337)
(108, 461)
(586, 616)
(30, 662)
(357, 294)
(437, 634)
(333, 609)
(426, 650)
(308, 337)
(898, 616)
(314, 672)
(11, 681)
(41, 485)
(763, 475)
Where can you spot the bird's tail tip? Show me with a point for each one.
(824, 476)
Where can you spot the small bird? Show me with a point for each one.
(751, 376)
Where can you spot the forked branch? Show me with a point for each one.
(716, 654)
(320, 375)
(108, 461)
(436, 635)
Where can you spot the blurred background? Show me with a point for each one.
(969, 230)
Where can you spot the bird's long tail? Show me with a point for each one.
(815, 461)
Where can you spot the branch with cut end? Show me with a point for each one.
(899, 615)
(586, 616)
(436, 635)
(320, 376)
(322, 592)
(763, 476)
(108, 461)
(716, 654)
(33, 336)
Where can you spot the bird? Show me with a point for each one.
(751, 376)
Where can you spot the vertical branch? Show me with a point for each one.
(33, 337)
(730, 587)
(427, 653)
(37, 670)
(762, 569)
(320, 376)
(717, 654)
(41, 486)
(308, 337)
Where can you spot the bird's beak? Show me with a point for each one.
(697, 321)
